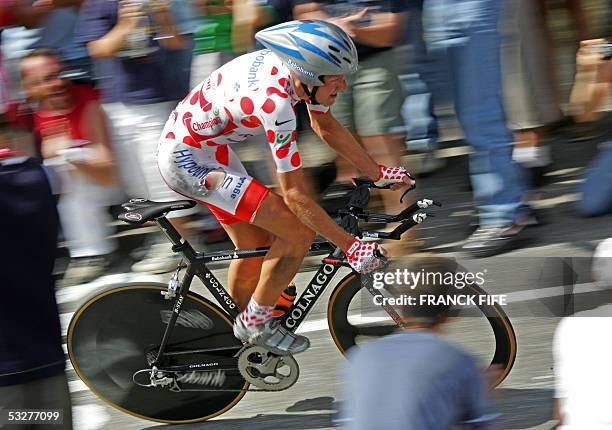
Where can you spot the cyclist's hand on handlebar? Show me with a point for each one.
(394, 177)
(365, 257)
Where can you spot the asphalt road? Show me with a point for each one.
(536, 279)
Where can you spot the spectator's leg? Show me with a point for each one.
(343, 110)
(417, 109)
(86, 226)
(121, 126)
(378, 99)
(497, 181)
(597, 187)
(89, 219)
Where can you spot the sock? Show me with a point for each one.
(532, 156)
(256, 314)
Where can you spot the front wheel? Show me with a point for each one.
(484, 331)
(115, 333)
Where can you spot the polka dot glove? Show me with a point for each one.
(390, 175)
(361, 257)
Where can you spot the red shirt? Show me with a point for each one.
(77, 130)
(7, 15)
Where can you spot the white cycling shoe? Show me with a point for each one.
(272, 336)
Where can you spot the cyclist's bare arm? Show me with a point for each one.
(344, 143)
(308, 211)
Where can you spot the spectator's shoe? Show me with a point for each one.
(530, 218)
(159, 259)
(285, 301)
(84, 269)
(272, 336)
(488, 241)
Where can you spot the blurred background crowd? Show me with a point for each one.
(87, 86)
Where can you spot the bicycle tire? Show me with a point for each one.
(344, 333)
(108, 338)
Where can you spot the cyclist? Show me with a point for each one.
(253, 97)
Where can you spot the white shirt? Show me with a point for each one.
(582, 351)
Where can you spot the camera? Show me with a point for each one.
(603, 49)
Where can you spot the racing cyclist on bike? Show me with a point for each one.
(253, 97)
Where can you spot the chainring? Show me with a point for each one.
(267, 371)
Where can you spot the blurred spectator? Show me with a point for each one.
(228, 29)
(417, 76)
(213, 38)
(531, 92)
(187, 18)
(72, 127)
(32, 361)
(583, 26)
(463, 36)
(415, 379)
(591, 88)
(46, 24)
(582, 358)
(371, 106)
(136, 96)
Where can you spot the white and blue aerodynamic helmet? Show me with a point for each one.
(311, 49)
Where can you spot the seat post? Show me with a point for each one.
(179, 244)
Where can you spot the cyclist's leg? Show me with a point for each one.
(219, 180)
(290, 244)
(288, 239)
(243, 275)
(236, 198)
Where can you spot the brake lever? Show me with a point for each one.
(382, 258)
(410, 188)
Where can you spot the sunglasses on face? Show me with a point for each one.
(63, 74)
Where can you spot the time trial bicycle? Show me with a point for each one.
(164, 353)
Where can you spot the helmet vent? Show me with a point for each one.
(334, 57)
(347, 60)
(333, 48)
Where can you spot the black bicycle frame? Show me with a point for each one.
(196, 266)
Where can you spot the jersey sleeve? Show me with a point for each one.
(279, 122)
